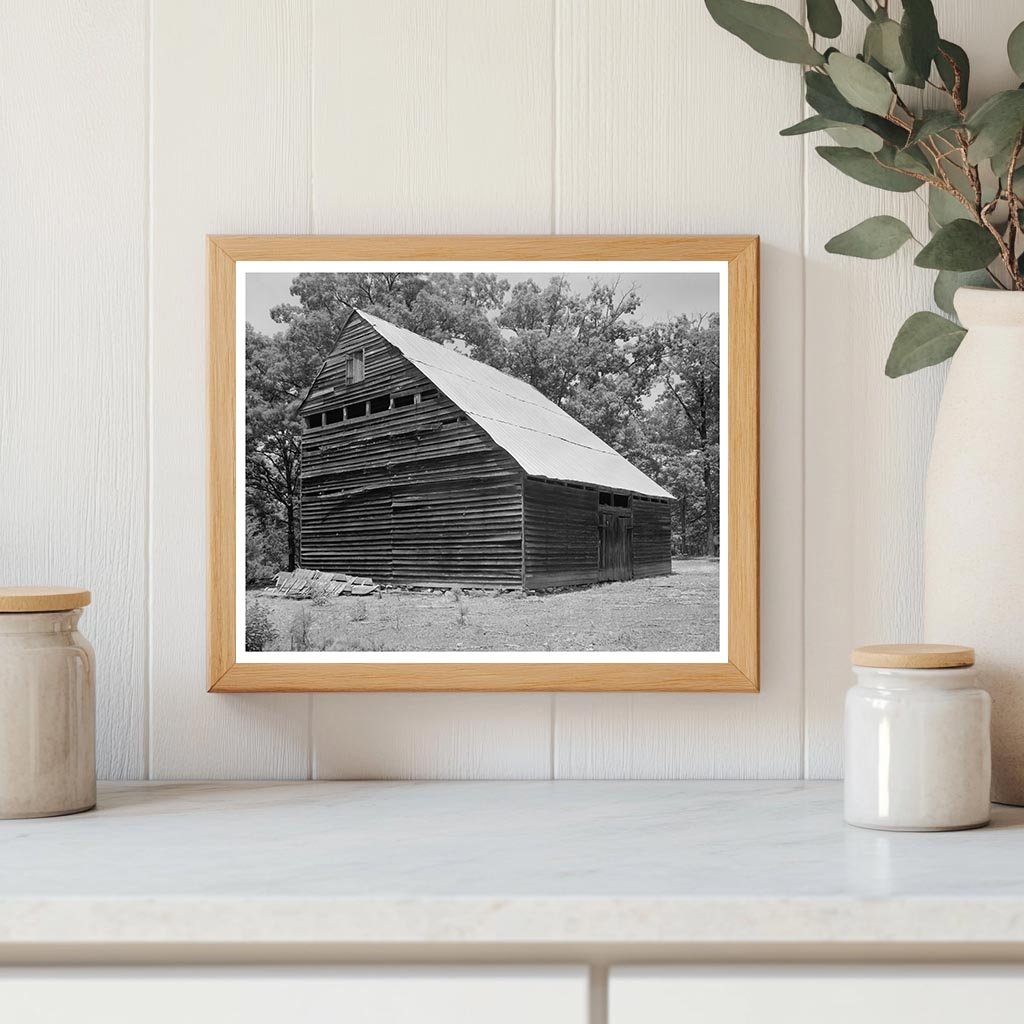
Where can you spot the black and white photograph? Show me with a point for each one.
(486, 460)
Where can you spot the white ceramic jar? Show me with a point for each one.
(918, 750)
(47, 704)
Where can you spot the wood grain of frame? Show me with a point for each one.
(739, 674)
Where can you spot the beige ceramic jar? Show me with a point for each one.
(47, 704)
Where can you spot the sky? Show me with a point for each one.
(663, 295)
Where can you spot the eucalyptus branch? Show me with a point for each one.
(930, 148)
(971, 170)
(1014, 212)
(956, 93)
(969, 234)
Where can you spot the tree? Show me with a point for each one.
(278, 370)
(689, 371)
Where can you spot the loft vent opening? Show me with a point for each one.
(371, 407)
(356, 367)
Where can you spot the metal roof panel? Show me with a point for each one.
(542, 437)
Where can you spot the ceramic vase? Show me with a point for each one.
(974, 518)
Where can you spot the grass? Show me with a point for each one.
(664, 613)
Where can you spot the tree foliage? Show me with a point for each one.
(649, 390)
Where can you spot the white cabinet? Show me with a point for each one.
(814, 995)
(254, 995)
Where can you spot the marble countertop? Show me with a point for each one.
(505, 863)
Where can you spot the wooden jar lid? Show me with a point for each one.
(42, 599)
(913, 656)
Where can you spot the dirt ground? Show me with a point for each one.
(664, 613)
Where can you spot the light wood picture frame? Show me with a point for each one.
(736, 669)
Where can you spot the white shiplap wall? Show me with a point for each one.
(131, 130)
(74, 345)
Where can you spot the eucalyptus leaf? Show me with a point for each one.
(943, 209)
(824, 18)
(926, 339)
(950, 59)
(914, 159)
(853, 136)
(769, 31)
(892, 133)
(934, 123)
(1015, 50)
(825, 98)
(882, 45)
(817, 123)
(960, 245)
(919, 35)
(996, 124)
(947, 282)
(872, 239)
(869, 168)
(1000, 163)
(843, 134)
(860, 85)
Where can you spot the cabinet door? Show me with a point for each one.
(470, 995)
(814, 995)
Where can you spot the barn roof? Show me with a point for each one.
(543, 438)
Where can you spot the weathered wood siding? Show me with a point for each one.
(652, 537)
(560, 534)
(413, 495)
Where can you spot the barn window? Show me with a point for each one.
(426, 396)
(355, 410)
(333, 416)
(604, 498)
(316, 420)
(402, 401)
(356, 370)
(380, 404)
(621, 501)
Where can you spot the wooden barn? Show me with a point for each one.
(424, 467)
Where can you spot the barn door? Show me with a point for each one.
(616, 545)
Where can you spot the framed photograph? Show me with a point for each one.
(483, 463)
